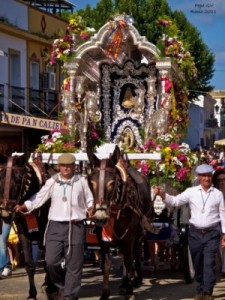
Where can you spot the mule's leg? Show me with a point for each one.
(29, 265)
(106, 264)
(126, 286)
(137, 281)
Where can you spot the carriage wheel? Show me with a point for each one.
(187, 265)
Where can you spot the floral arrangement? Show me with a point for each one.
(64, 47)
(95, 134)
(58, 141)
(171, 45)
(175, 166)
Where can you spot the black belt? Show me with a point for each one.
(77, 222)
(204, 230)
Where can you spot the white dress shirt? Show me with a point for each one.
(68, 202)
(206, 208)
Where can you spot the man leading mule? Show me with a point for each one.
(71, 202)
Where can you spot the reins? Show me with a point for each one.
(101, 194)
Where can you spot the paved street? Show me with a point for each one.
(163, 284)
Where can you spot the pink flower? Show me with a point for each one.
(173, 146)
(164, 22)
(182, 157)
(84, 35)
(149, 144)
(181, 174)
(144, 168)
(94, 135)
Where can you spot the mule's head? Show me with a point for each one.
(17, 179)
(103, 182)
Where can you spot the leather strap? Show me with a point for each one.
(101, 181)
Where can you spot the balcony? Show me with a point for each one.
(36, 103)
(18, 104)
(211, 123)
(51, 104)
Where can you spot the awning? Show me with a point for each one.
(220, 142)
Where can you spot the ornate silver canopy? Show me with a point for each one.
(121, 77)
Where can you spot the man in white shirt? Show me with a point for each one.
(71, 202)
(206, 223)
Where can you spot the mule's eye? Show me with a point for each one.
(110, 185)
(93, 184)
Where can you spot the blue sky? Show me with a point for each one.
(208, 16)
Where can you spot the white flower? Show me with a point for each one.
(90, 29)
(56, 136)
(177, 162)
(44, 138)
(48, 145)
(67, 51)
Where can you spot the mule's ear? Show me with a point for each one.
(93, 159)
(22, 159)
(114, 158)
(3, 159)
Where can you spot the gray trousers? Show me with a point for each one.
(68, 277)
(204, 248)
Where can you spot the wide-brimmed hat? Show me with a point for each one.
(66, 159)
(204, 169)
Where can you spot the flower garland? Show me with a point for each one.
(172, 46)
(64, 47)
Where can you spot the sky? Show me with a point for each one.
(208, 16)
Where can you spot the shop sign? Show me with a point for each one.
(27, 121)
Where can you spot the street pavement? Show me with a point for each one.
(163, 284)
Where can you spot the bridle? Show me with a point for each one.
(8, 177)
(101, 187)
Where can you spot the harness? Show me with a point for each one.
(6, 203)
(115, 208)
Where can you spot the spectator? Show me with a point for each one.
(218, 181)
(5, 265)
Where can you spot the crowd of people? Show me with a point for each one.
(72, 201)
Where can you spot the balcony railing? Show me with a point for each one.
(211, 123)
(36, 103)
(51, 104)
(1, 97)
(18, 103)
(41, 104)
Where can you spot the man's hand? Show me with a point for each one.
(90, 212)
(20, 208)
(158, 190)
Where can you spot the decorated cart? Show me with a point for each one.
(121, 89)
